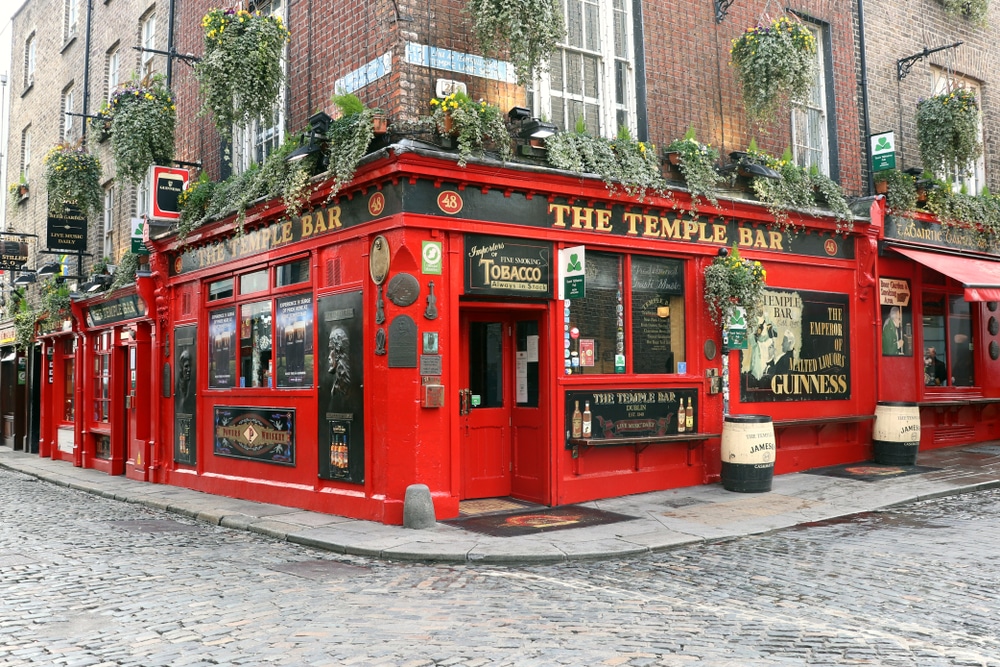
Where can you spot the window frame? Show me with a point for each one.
(113, 69)
(68, 120)
(941, 81)
(947, 293)
(147, 40)
(822, 103)
(610, 111)
(109, 221)
(26, 153)
(30, 60)
(71, 9)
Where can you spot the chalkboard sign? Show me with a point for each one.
(632, 413)
(654, 281)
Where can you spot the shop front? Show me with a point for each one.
(57, 435)
(520, 333)
(116, 380)
(13, 389)
(939, 290)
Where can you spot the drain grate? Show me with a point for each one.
(320, 570)
(155, 526)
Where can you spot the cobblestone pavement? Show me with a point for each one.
(90, 581)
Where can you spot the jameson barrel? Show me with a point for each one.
(748, 448)
(896, 436)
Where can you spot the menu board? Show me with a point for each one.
(654, 281)
(631, 413)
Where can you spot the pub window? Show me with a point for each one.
(292, 273)
(253, 282)
(69, 379)
(220, 289)
(947, 335)
(255, 344)
(596, 336)
(102, 378)
(657, 314)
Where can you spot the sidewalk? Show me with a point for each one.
(663, 519)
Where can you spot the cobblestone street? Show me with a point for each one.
(91, 581)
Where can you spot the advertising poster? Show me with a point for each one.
(633, 413)
(798, 349)
(222, 338)
(498, 266)
(258, 434)
(341, 387)
(295, 341)
(897, 317)
(185, 401)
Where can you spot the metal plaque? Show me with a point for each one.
(430, 364)
(378, 260)
(403, 289)
(402, 342)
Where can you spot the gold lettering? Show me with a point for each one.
(560, 210)
(583, 218)
(719, 234)
(777, 238)
(746, 236)
(690, 228)
(671, 228)
(307, 226)
(604, 220)
(652, 224)
(333, 218)
(631, 222)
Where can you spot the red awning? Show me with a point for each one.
(980, 277)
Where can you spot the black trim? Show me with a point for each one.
(641, 113)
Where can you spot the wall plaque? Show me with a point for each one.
(402, 342)
(403, 289)
(378, 260)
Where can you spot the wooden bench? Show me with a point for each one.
(821, 421)
(640, 443)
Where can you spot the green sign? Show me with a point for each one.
(430, 257)
(737, 319)
(883, 148)
(138, 237)
(573, 268)
(736, 339)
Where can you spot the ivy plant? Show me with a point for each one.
(143, 118)
(527, 31)
(72, 175)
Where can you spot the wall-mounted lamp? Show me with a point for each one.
(531, 132)
(517, 114)
(25, 279)
(50, 269)
(313, 138)
(537, 129)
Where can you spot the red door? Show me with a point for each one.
(502, 406)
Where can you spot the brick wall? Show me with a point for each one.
(896, 29)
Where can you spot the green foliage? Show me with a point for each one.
(774, 63)
(975, 11)
(25, 318)
(240, 73)
(73, 175)
(732, 281)
(143, 118)
(194, 203)
(348, 139)
(621, 163)
(128, 265)
(901, 195)
(349, 104)
(697, 162)
(471, 123)
(527, 30)
(55, 304)
(825, 189)
(948, 131)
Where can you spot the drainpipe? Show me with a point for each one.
(866, 148)
(170, 43)
(86, 80)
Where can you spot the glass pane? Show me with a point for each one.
(486, 363)
(576, 112)
(556, 71)
(574, 23)
(220, 289)
(592, 28)
(292, 273)
(593, 115)
(527, 371)
(597, 322)
(253, 282)
(657, 312)
(960, 330)
(621, 32)
(935, 349)
(590, 70)
(255, 345)
(574, 72)
(68, 388)
(620, 81)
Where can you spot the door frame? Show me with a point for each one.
(508, 310)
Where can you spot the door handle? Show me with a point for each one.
(464, 401)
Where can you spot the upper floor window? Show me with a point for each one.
(69, 120)
(253, 142)
(69, 26)
(113, 70)
(971, 177)
(26, 152)
(142, 196)
(148, 41)
(591, 76)
(810, 136)
(109, 221)
(29, 61)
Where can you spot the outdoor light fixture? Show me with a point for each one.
(25, 279)
(96, 283)
(50, 269)
(759, 171)
(537, 129)
(319, 125)
(518, 114)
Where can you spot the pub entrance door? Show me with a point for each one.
(503, 404)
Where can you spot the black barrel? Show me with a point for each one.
(896, 435)
(748, 448)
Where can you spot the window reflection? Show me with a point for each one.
(255, 344)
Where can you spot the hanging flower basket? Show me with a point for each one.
(72, 175)
(774, 63)
(948, 131)
(143, 118)
(972, 10)
(240, 75)
(696, 162)
(732, 281)
(527, 31)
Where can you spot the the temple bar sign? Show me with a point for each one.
(67, 231)
(168, 184)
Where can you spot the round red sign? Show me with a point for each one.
(450, 202)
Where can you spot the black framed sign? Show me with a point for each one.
(185, 401)
(67, 231)
(341, 387)
(499, 266)
(259, 434)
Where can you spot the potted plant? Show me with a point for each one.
(732, 281)
(470, 123)
(128, 266)
(948, 131)
(774, 63)
(55, 304)
(621, 163)
(973, 10)
(348, 138)
(18, 190)
(696, 162)
(143, 117)
(528, 31)
(828, 192)
(72, 175)
(240, 73)
(781, 187)
(900, 190)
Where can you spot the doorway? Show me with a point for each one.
(503, 405)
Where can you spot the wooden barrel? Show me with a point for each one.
(896, 435)
(748, 448)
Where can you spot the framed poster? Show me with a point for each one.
(185, 398)
(222, 342)
(258, 434)
(294, 336)
(341, 387)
